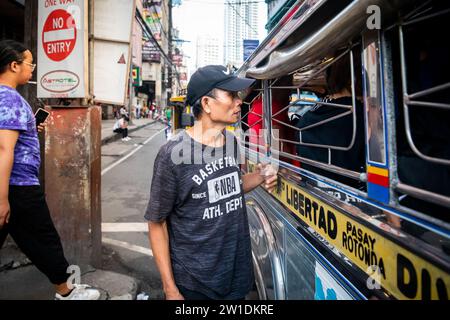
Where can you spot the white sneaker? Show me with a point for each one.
(128, 138)
(80, 292)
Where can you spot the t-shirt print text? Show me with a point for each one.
(224, 187)
(212, 167)
(218, 210)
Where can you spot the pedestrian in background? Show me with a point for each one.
(145, 111)
(138, 110)
(24, 213)
(121, 126)
(123, 112)
(198, 225)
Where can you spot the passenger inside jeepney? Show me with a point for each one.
(337, 132)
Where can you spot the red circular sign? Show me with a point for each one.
(59, 35)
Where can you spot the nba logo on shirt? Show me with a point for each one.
(224, 187)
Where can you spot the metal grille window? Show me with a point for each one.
(312, 79)
(252, 120)
(425, 74)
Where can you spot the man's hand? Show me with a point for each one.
(42, 127)
(4, 213)
(270, 176)
(174, 294)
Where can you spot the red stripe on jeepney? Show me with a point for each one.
(377, 179)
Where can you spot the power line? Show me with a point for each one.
(159, 21)
(153, 6)
(149, 34)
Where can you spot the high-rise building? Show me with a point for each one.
(208, 51)
(241, 22)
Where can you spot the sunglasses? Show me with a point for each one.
(234, 95)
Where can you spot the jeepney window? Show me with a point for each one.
(252, 124)
(375, 131)
(318, 118)
(423, 115)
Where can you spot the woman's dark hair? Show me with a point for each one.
(10, 51)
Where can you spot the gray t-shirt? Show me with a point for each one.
(198, 190)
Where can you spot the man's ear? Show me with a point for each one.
(205, 106)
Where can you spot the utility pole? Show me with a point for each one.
(29, 91)
(131, 94)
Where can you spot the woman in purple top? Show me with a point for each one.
(23, 209)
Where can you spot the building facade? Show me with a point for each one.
(208, 51)
(241, 22)
(155, 64)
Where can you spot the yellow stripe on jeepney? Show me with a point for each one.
(378, 171)
(399, 271)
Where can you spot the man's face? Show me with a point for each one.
(224, 106)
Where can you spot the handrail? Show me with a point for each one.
(423, 194)
(327, 167)
(337, 32)
(330, 119)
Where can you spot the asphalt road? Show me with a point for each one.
(127, 169)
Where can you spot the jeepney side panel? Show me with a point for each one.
(306, 275)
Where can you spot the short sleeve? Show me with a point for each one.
(13, 112)
(163, 192)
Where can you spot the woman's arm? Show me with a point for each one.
(8, 139)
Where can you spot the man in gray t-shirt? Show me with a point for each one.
(198, 225)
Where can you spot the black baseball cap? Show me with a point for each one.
(211, 77)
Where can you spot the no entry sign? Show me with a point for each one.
(62, 43)
(59, 35)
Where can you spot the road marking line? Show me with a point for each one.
(125, 227)
(131, 153)
(128, 246)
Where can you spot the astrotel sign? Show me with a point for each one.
(62, 49)
(59, 35)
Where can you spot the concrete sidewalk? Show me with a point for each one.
(20, 280)
(107, 128)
